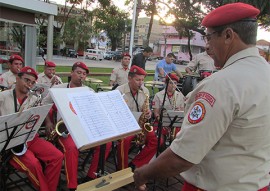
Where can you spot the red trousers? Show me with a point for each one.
(29, 163)
(190, 187)
(71, 156)
(95, 160)
(145, 155)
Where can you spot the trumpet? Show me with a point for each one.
(19, 150)
(59, 131)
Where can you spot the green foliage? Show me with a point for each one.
(111, 20)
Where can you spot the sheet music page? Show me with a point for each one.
(29, 119)
(118, 111)
(91, 114)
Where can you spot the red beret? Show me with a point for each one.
(137, 70)
(126, 54)
(50, 64)
(230, 13)
(30, 71)
(15, 57)
(81, 65)
(173, 77)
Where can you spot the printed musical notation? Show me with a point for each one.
(96, 117)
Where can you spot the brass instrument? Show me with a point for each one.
(19, 150)
(143, 123)
(60, 130)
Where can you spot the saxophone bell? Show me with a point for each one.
(59, 131)
(19, 150)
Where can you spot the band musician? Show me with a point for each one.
(174, 100)
(15, 64)
(48, 76)
(119, 75)
(71, 153)
(134, 93)
(28, 162)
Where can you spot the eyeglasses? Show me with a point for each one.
(207, 37)
(28, 81)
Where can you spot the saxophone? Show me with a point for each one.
(59, 131)
(143, 123)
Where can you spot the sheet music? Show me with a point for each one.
(28, 120)
(94, 118)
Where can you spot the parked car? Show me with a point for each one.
(72, 53)
(94, 54)
(108, 55)
(117, 55)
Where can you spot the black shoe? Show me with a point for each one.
(132, 166)
(72, 189)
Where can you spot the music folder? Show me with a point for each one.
(94, 118)
(25, 125)
(171, 115)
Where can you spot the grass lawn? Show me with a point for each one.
(105, 79)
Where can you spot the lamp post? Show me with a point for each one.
(165, 41)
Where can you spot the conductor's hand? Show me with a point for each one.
(139, 179)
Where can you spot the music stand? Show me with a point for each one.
(17, 129)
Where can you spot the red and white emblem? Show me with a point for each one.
(197, 113)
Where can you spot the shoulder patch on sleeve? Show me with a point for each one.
(197, 113)
(207, 97)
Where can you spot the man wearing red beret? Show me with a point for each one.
(224, 140)
(135, 94)
(15, 64)
(119, 74)
(48, 76)
(78, 74)
(26, 158)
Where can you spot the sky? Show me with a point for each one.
(261, 34)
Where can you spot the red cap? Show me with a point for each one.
(173, 77)
(81, 65)
(15, 57)
(126, 54)
(50, 64)
(137, 70)
(230, 13)
(30, 71)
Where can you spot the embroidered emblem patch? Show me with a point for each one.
(197, 113)
(153, 103)
(207, 97)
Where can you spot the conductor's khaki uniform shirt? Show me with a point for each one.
(7, 102)
(139, 97)
(119, 75)
(226, 129)
(8, 79)
(201, 61)
(43, 79)
(171, 103)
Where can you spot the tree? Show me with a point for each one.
(111, 20)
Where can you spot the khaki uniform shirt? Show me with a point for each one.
(226, 130)
(175, 102)
(119, 75)
(8, 79)
(202, 61)
(43, 79)
(139, 97)
(7, 105)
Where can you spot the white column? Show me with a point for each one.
(132, 29)
(30, 46)
(50, 38)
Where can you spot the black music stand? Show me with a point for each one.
(12, 133)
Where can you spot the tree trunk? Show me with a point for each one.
(189, 48)
(151, 22)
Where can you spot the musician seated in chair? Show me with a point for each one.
(174, 100)
(201, 61)
(135, 95)
(15, 64)
(119, 75)
(28, 159)
(71, 153)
